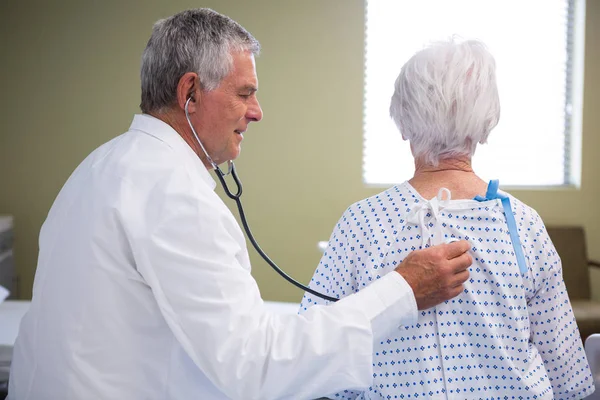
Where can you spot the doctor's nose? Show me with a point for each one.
(254, 112)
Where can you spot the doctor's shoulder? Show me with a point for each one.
(140, 158)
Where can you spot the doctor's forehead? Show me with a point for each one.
(243, 71)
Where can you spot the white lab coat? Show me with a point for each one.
(143, 291)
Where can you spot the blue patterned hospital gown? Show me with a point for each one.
(507, 336)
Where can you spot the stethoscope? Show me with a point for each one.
(236, 197)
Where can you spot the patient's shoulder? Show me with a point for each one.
(524, 214)
(397, 200)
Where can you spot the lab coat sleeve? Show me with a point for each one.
(553, 327)
(190, 257)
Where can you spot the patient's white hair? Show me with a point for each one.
(446, 99)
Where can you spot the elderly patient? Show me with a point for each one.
(511, 334)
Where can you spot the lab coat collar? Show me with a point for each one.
(164, 132)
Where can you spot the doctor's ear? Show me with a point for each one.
(187, 88)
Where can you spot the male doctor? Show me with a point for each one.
(143, 287)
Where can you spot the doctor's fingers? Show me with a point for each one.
(455, 291)
(455, 249)
(460, 263)
(459, 279)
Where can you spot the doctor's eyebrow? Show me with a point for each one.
(249, 88)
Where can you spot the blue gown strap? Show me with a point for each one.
(492, 190)
(492, 194)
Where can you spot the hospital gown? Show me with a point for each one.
(507, 336)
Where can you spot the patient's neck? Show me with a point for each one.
(455, 174)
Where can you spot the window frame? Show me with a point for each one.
(573, 104)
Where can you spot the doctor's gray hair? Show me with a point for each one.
(198, 40)
(446, 99)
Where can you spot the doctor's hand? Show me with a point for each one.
(436, 274)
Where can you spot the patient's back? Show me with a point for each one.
(510, 333)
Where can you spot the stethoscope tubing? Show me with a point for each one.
(238, 202)
(236, 197)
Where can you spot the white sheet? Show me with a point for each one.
(11, 312)
(3, 293)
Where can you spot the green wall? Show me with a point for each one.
(70, 81)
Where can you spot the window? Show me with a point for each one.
(538, 47)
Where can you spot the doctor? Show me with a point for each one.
(143, 287)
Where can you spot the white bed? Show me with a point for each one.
(11, 312)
